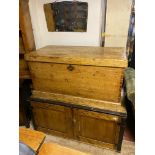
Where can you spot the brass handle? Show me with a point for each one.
(70, 68)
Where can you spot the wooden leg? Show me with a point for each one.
(33, 120)
(25, 93)
(122, 128)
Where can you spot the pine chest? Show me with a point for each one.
(87, 72)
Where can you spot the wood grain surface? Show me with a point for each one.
(55, 149)
(96, 56)
(88, 72)
(26, 26)
(31, 138)
(102, 83)
(105, 105)
(56, 118)
(100, 129)
(26, 38)
(95, 128)
(49, 15)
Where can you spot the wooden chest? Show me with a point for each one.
(98, 124)
(88, 72)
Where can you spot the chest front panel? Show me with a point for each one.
(102, 83)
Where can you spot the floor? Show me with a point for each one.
(128, 147)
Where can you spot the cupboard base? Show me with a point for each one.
(98, 128)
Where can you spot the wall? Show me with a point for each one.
(90, 38)
(117, 22)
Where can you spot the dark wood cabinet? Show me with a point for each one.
(69, 121)
(96, 128)
(54, 119)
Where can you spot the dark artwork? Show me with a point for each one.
(70, 16)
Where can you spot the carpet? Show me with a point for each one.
(128, 147)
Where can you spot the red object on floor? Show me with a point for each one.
(129, 133)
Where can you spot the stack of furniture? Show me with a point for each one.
(26, 44)
(77, 93)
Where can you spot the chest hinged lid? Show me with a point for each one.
(78, 55)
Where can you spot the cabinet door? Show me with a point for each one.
(53, 119)
(96, 128)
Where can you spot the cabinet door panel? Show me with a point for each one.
(96, 128)
(57, 119)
